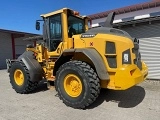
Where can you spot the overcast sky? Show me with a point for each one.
(20, 15)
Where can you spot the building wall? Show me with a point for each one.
(5, 48)
(20, 45)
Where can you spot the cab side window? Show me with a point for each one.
(75, 26)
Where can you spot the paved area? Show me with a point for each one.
(141, 102)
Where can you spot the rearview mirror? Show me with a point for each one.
(37, 25)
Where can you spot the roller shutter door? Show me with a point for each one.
(149, 36)
(150, 49)
(5, 49)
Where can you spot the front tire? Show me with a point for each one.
(77, 84)
(20, 79)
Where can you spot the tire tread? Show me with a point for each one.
(30, 86)
(93, 82)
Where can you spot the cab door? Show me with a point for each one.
(55, 42)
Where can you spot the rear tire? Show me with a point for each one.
(20, 79)
(77, 84)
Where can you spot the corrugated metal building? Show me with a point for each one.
(12, 45)
(143, 22)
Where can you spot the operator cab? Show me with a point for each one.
(60, 26)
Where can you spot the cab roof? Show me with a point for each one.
(54, 12)
(59, 11)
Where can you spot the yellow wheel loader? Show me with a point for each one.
(79, 60)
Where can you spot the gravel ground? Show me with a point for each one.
(141, 102)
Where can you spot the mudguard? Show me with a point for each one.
(35, 69)
(92, 54)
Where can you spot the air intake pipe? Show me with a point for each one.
(109, 20)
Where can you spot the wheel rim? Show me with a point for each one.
(72, 85)
(19, 77)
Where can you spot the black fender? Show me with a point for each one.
(91, 54)
(33, 66)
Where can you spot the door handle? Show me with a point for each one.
(58, 50)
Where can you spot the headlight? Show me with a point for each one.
(126, 57)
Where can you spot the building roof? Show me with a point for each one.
(17, 34)
(149, 20)
(132, 8)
